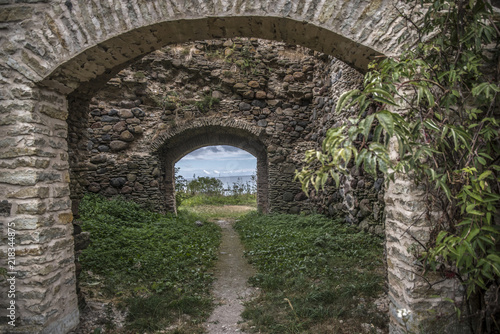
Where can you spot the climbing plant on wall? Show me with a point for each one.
(437, 104)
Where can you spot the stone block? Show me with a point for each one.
(243, 106)
(125, 113)
(49, 177)
(138, 112)
(287, 196)
(120, 126)
(31, 192)
(12, 14)
(94, 187)
(33, 207)
(19, 177)
(261, 95)
(59, 205)
(248, 94)
(5, 208)
(118, 182)
(118, 145)
(253, 84)
(65, 218)
(126, 136)
(109, 119)
(98, 159)
(54, 112)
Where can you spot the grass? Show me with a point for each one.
(316, 275)
(243, 199)
(218, 206)
(155, 266)
(212, 212)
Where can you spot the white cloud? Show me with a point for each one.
(239, 171)
(219, 153)
(217, 161)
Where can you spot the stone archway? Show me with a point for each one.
(171, 146)
(57, 52)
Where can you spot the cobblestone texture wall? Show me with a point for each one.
(34, 192)
(272, 99)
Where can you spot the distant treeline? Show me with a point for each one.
(211, 186)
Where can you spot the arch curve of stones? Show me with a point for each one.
(51, 48)
(67, 44)
(171, 146)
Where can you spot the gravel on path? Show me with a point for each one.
(230, 288)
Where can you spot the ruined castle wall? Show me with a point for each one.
(287, 92)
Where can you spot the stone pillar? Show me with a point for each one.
(78, 149)
(34, 201)
(169, 190)
(262, 183)
(417, 303)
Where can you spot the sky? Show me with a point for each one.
(217, 161)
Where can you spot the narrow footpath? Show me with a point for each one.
(230, 288)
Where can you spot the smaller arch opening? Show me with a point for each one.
(215, 138)
(225, 171)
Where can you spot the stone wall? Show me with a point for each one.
(272, 99)
(35, 212)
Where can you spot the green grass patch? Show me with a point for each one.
(211, 207)
(315, 274)
(202, 199)
(213, 212)
(154, 265)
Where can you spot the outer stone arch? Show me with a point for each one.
(171, 146)
(68, 44)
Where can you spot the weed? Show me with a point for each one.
(156, 265)
(207, 103)
(213, 55)
(139, 75)
(313, 272)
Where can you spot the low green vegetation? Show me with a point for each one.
(202, 191)
(206, 197)
(155, 266)
(207, 103)
(216, 212)
(315, 275)
(202, 199)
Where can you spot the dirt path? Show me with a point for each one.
(230, 287)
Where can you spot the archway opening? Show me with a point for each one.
(213, 134)
(217, 170)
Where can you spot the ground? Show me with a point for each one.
(231, 287)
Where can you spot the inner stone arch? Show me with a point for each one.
(170, 147)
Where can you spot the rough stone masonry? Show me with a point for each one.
(56, 54)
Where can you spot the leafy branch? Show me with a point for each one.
(437, 105)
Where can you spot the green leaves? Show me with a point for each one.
(386, 120)
(485, 88)
(444, 97)
(344, 99)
